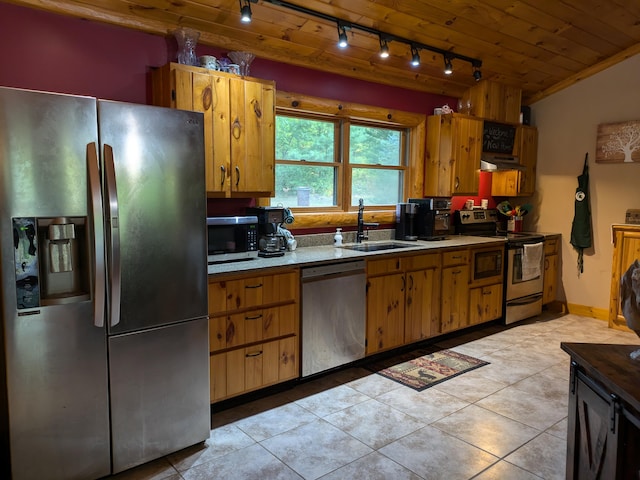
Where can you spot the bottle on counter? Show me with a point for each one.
(337, 238)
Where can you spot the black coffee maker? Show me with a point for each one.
(405, 221)
(270, 242)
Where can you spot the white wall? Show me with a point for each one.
(567, 124)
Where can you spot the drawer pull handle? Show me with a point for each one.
(254, 354)
(224, 173)
(456, 272)
(253, 318)
(253, 286)
(456, 256)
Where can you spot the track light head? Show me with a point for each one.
(245, 11)
(477, 74)
(343, 41)
(384, 47)
(448, 66)
(415, 56)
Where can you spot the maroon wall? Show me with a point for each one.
(45, 51)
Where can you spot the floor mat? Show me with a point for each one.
(428, 370)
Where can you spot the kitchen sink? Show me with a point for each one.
(374, 247)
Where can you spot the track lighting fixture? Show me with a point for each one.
(448, 66)
(415, 56)
(343, 41)
(383, 37)
(384, 47)
(245, 11)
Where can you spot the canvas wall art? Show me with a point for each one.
(618, 142)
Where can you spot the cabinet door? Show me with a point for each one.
(455, 298)
(550, 279)
(385, 312)
(252, 137)
(485, 304)
(422, 304)
(244, 293)
(467, 150)
(626, 250)
(528, 154)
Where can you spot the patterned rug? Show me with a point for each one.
(422, 372)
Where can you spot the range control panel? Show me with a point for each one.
(478, 216)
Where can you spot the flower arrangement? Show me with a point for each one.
(505, 208)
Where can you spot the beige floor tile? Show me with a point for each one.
(470, 386)
(221, 441)
(525, 407)
(316, 449)
(426, 406)
(159, 469)
(372, 467)
(275, 421)
(332, 400)
(487, 430)
(545, 456)
(559, 429)
(248, 463)
(505, 471)
(373, 423)
(374, 385)
(547, 386)
(433, 454)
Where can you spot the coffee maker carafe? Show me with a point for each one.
(270, 242)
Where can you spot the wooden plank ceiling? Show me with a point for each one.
(540, 46)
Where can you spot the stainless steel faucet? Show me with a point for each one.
(363, 234)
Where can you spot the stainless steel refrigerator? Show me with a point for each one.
(105, 358)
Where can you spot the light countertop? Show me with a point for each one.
(307, 256)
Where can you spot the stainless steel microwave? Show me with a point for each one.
(231, 239)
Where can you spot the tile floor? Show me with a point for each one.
(505, 420)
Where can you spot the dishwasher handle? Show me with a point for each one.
(339, 269)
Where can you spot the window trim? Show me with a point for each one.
(299, 104)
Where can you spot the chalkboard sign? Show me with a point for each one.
(498, 138)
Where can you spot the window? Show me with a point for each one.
(326, 162)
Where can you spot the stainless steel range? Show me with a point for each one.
(524, 266)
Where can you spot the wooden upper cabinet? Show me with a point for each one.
(454, 148)
(494, 101)
(239, 125)
(513, 183)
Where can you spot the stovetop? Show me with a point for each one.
(486, 223)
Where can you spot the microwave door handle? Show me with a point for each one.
(95, 199)
(114, 236)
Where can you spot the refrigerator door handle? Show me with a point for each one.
(114, 236)
(95, 197)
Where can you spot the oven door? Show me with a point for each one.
(517, 286)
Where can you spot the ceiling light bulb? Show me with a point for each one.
(415, 57)
(245, 13)
(343, 41)
(384, 48)
(448, 67)
(477, 74)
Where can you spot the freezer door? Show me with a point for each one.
(159, 391)
(156, 214)
(54, 417)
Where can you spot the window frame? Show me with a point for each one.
(414, 124)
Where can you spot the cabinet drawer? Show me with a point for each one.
(252, 326)
(456, 257)
(246, 369)
(551, 246)
(422, 262)
(385, 265)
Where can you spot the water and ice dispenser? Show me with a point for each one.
(51, 261)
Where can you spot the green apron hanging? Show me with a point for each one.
(581, 227)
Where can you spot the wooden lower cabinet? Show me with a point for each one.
(454, 303)
(253, 332)
(550, 274)
(485, 304)
(403, 300)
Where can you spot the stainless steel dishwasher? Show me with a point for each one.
(333, 315)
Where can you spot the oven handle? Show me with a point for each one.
(525, 300)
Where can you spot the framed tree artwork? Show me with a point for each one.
(618, 142)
